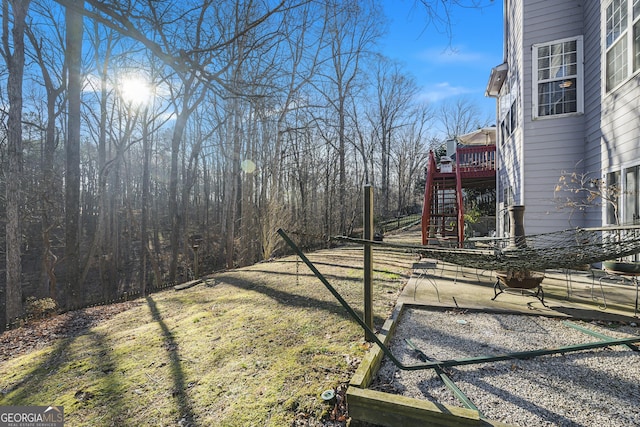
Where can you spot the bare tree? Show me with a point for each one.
(394, 94)
(409, 155)
(363, 141)
(13, 52)
(459, 117)
(353, 27)
(292, 74)
(74, 286)
(440, 13)
(578, 191)
(48, 56)
(104, 115)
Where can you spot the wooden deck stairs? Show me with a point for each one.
(443, 209)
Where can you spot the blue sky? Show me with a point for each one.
(447, 68)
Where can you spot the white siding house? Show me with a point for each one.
(568, 101)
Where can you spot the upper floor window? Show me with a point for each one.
(622, 34)
(557, 77)
(507, 110)
(509, 122)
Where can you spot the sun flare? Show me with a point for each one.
(135, 90)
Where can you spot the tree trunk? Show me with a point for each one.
(15, 65)
(48, 191)
(72, 183)
(100, 234)
(384, 187)
(174, 210)
(342, 170)
(234, 191)
(146, 185)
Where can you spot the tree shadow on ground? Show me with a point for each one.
(101, 365)
(357, 265)
(294, 300)
(179, 387)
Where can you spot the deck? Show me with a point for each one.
(474, 167)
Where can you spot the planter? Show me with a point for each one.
(524, 282)
(517, 238)
(622, 267)
(520, 280)
(628, 271)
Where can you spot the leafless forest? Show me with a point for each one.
(143, 140)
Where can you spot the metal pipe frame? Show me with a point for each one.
(453, 362)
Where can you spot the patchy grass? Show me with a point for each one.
(253, 346)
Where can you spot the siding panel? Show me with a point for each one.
(555, 144)
(593, 100)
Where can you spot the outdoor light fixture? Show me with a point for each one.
(496, 79)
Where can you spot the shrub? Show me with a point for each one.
(40, 308)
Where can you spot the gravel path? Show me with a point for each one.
(599, 387)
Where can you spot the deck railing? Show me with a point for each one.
(477, 158)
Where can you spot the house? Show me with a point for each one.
(568, 101)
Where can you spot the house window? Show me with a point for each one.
(508, 109)
(612, 196)
(513, 116)
(509, 122)
(507, 196)
(622, 41)
(558, 77)
(631, 195)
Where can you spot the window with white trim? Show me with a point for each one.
(622, 41)
(557, 77)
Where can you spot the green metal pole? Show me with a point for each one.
(534, 353)
(368, 259)
(445, 379)
(596, 334)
